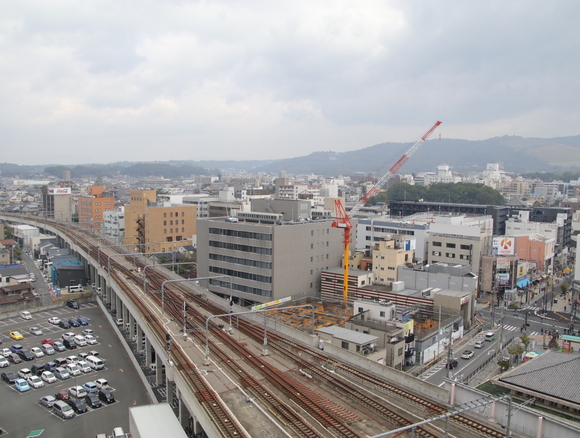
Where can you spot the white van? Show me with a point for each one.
(75, 288)
(80, 340)
(118, 432)
(25, 314)
(95, 363)
(84, 366)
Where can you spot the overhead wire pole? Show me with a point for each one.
(343, 218)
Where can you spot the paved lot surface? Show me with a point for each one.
(21, 413)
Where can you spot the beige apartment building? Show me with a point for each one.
(388, 255)
(158, 227)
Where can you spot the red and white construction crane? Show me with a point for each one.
(343, 218)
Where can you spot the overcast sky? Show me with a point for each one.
(102, 81)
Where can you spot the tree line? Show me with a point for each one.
(458, 193)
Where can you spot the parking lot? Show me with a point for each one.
(22, 412)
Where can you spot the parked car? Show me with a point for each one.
(14, 358)
(35, 382)
(94, 353)
(106, 396)
(50, 366)
(82, 355)
(69, 344)
(77, 391)
(48, 377)
(73, 323)
(25, 314)
(72, 304)
(82, 321)
(91, 387)
(5, 352)
(9, 377)
(62, 395)
(102, 383)
(61, 373)
(4, 362)
(48, 349)
(467, 354)
(16, 335)
(72, 359)
(68, 335)
(24, 373)
(37, 352)
(48, 401)
(119, 321)
(91, 340)
(63, 324)
(88, 332)
(21, 385)
(73, 370)
(84, 366)
(80, 340)
(63, 410)
(58, 346)
(78, 406)
(36, 331)
(49, 341)
(93, 400)
(16, 348)
(54, 320)
(26, 354)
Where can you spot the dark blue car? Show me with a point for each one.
(82, 321)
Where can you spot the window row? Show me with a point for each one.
(241, 234)
(243, 248)
(240, 261)
(452, 245)
(242, 288)
(176, 222)
(171, 230)
(240, 274)
(171, 214)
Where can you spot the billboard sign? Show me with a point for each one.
(503, 245)
(59, 191)
(502, 279)
(502, 263)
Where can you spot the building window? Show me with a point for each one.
(450, 255)
(344, 345)
(164, 222)
(436, 243)
(466, 247)
(382, 314)
(436, 253)
(165, 231)
(450, 245)
(164, 214)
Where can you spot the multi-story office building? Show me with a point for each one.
(458, 240)
(158, 227)
(388, 255)
(266, 257)
(56, 202)
(114, 223)
(91, 208)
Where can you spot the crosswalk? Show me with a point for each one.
(513, 328)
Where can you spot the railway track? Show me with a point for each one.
(337, 421)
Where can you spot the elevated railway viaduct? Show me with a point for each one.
(243, 388)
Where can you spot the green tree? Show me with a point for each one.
(564, 289)
(526, 341)
(516, 349)
(504, 364)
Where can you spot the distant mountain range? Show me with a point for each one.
(519, 155)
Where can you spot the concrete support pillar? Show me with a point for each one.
(169, 388)
(183, 413)
(132, 330)
(159, 372)
(147, 352)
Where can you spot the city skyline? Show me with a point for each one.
(163, 81)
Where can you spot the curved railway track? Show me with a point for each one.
(331, 416)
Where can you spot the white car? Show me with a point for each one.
(48, 349)
(72, 360)
(80, 340)
(73, 370)
(48, 401)
(102, 383)
(24, 373)
(36, 331)
(5, 352)
(88, 332)
(3, 362)
(84, 366)
(54, 320)
(37, 351)
(35, 382)
(25, 314)
(77, 391)
(91, 340)
(48, 377)
(68, 335)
